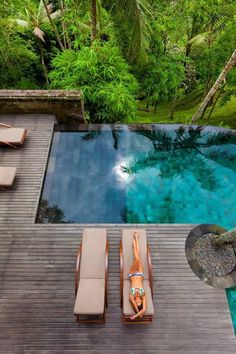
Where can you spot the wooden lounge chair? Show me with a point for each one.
(91, 277)
(10, 136)
(7, 176)
(126, 260)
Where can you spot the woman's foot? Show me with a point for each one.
(136, 236)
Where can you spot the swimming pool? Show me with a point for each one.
(142, 174)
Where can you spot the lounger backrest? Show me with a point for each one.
(128, 255)
(92, 265)
(12, 135)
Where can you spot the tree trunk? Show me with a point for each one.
(63, 25)
(155, 107)
(54, 28)
(171, 114)
(226, 237)
(66, 37)
(215, 101)
(93, 20)
(45, 70)
(188, 49)
(215, 87)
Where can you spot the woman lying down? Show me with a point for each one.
(137, 295)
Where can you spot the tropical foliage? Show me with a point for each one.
(103, 75)
(123, 54)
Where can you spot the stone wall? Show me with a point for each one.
(64, 104)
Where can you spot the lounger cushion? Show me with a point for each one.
(128, 254)
(7, 175)
(93, 254)
(12, 135)
(127, 308)
(90, 297)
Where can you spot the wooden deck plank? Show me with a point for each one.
(37, 277)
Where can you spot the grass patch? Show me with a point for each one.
(221, 116)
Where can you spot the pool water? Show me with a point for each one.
(142, 174)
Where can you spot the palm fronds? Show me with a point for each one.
(22, 23)
(199, 39)
(219, 138)
(128, 216)
(136, 14)
(222, 158)
(138, 164)
(93, 134)
(160, 138)
(204, 174)
(39, 33)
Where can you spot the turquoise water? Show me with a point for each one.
(231, 296)
(142, 174)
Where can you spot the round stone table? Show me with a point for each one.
(194, 260)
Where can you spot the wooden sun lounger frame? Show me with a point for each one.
(77, 270)
(15, 146)
(3, 188)
(145, 318)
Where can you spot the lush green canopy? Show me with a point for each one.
(121, 53)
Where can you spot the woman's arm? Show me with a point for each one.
(140, 313)
(133, 303)
(6, 125)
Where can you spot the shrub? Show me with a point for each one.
(103, 76)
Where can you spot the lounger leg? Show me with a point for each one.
(9, 144)
(99, 319)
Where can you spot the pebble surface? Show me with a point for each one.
(215, 260)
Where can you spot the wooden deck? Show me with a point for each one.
(37, 277)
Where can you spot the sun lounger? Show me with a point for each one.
(126, 260)
(7, 175)
(91, 276)
(11, 136)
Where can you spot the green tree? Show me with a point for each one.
(163, 77)
(33, 20)
(103, 75)
(19, 64)
(229, 65)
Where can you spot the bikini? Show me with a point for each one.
(140, 290)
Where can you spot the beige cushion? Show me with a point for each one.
(127, 308)
(128, 254)
(7, 175)
(12, 135)
(93, 254)
(90, 297)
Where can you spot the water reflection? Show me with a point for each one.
(51, 214)
(153, 174)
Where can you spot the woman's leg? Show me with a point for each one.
(140, 266)
(136, 243)
(135, 266)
